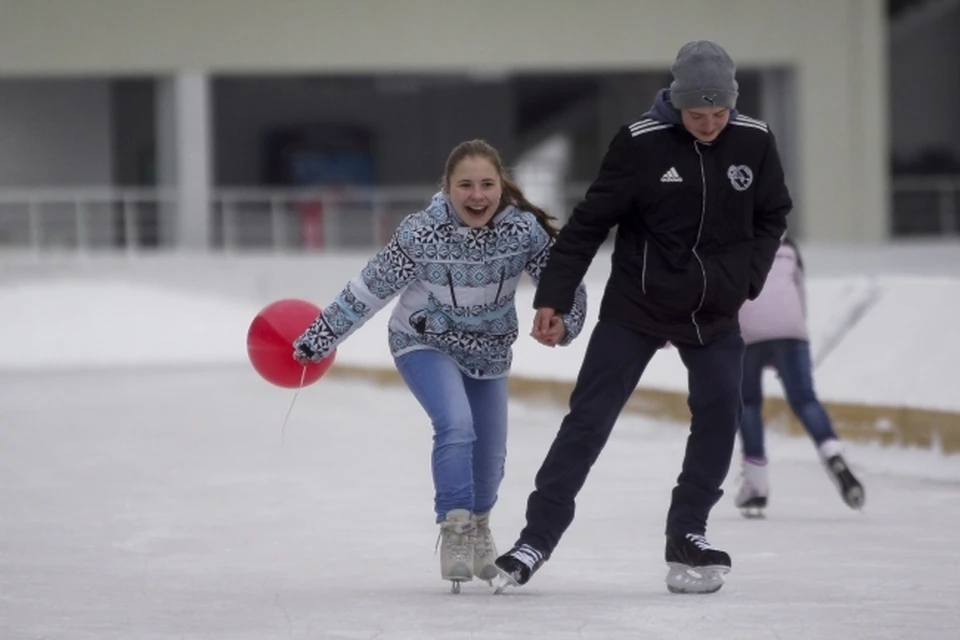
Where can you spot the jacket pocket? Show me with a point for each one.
(670, 289)
(728, 283)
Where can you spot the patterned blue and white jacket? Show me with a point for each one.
(459, 286)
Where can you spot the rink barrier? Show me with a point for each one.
(882, 425)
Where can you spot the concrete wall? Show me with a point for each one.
(837, 48)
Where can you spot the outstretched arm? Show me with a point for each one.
(384, 277)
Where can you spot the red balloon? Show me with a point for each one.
(270, 343)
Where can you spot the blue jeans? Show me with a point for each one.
(791, 360)
(469, 419)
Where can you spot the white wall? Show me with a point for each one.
(54, 133)
(119, 36)
(843, 127)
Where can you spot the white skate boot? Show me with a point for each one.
(456, 548)
(484, 549)
(754, 488)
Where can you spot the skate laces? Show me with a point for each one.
(701, 542)
(455, 542)
(483, 544)
(527, 555)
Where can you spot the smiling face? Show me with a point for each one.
(474, 187)
(705, 123)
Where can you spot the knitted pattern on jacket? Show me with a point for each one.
(457, 289)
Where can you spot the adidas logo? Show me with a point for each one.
(671, 176)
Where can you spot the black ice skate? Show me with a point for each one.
(517, 566)
(695, 566)
(850, 488)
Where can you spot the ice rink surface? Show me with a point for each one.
(148, 503)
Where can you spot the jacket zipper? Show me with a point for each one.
(703, 214)
(453, 295)
(643, 271)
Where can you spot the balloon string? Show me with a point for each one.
(283, 429)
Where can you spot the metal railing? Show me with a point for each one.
(241, 219)
(136, 220)
(310, 219)
(84, 219)
(290, 219)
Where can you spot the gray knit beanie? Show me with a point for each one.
(703, 77)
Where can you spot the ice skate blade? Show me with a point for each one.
(753, 513)
(488, 574)
(502, 581)
(684, 579)
(456, 580)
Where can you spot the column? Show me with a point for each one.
(184, 158)
(778, 108)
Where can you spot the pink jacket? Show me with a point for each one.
(780, 311)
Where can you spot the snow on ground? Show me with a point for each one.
(903, 352)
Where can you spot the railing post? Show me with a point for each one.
(129, 226)
(948, 209)
(378, 220)
(35, 228)
(229, 226)
(276, 224)
(81, 222)
(330, 224)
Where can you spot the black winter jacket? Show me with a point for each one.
(698, 225)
